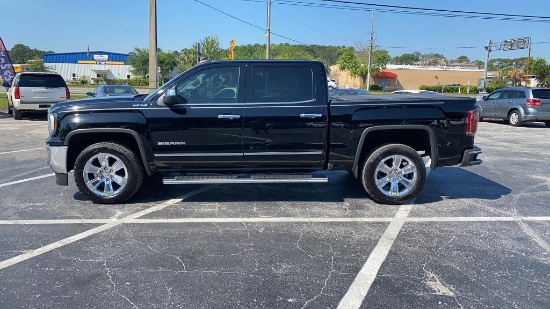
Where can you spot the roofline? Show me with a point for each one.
(91, 51)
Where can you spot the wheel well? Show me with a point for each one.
(513, 109)
(417, 139)
(81, 141)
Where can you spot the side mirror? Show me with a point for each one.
(90, 94)
(170, 97)
(484, 98)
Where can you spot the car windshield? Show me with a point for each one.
(120, 90)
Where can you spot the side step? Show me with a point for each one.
(255, 178)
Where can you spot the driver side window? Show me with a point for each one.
(494, 96)
(213, 85)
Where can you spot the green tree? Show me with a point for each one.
(356, 61)
(462, 59)
(167, 61)
(407, 59)
(138, 59)
(287, 51)
(540, 68)
(22, 53)
(37, 65)
(432, 59)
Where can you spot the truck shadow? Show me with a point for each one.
(459, 183)
(443, 183)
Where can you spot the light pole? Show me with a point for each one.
(153, 73)
(268, 30)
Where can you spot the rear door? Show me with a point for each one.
(42, 88)
(285, 117)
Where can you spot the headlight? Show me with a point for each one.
(52, 124)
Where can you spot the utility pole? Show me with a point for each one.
(268, 30)
(370, 48)
(153, 72)
(488, 48)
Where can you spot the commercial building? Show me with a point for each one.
(89, 64)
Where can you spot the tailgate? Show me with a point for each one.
(544, 96)
(42, 88)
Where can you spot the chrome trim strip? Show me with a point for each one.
(174, 181)
(282, 153)
(57, 158)
(200, 154)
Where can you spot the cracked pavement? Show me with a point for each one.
(476, 237)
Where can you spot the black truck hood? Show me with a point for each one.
(99, 103)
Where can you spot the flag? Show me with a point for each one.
(6, 68)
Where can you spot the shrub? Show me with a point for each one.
(375, 87)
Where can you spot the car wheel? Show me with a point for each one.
(393, 174)
(17, 114)
(547, 123)
(108, 173)
(514, 118)
(10, 109)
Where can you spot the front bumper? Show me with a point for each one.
(57, 160)
(470, 157)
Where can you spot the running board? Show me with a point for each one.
(260, 178)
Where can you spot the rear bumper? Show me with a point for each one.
(470, 157)
(34, 107)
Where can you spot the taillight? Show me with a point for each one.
(17, 93)
(67, 93)
(472, 118)
(533, 102)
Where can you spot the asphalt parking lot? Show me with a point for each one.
(476, 237)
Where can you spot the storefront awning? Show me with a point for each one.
(385, 74)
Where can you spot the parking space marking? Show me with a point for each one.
(273, 220)
(14, 151)
(25, 180)
(99, 229)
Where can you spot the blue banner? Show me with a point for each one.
(6, 68)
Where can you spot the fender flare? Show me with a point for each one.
(139, 139)
(431, 134)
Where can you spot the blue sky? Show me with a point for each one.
(120, 25)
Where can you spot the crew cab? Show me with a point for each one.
(259, 121)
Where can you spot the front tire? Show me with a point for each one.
(393, 174)
(108, 173)
(514, 118)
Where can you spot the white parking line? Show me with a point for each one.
(6, 152)
(25, 180)
(99, 229)
(273, 220)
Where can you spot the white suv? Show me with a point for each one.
(332, 83)
(36, 91)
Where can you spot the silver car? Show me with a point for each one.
(517, 105)
(35, 91)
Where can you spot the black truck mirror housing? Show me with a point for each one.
(170, 98)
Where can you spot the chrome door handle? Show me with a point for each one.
(229, 116)
(311, 115)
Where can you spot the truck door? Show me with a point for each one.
(285, 117)
(203, 131)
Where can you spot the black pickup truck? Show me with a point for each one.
(258, 122)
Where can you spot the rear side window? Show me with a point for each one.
(541, 93)
(520, 94)
(282, 84)
(41, 80)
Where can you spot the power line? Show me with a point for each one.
(250, 24)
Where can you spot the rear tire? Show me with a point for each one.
(514, 118)
(17, 114)
(108, 173)
(547, 123)
(393, 174)
(10, 109)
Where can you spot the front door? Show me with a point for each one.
(284, 118)
(203, 132)
(489, 105)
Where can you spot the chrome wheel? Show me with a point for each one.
(514, 118)
(105, 175)
(396, 175)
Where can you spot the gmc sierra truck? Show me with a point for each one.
(258, 122)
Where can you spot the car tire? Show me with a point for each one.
(547, 123)
(108, 173)
(17, 114)
(393, 174)
(10, 109)
(514, 118)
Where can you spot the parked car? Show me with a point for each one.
(257, 126)
(35, 91)
(332, 84)
(517, 105)
(112, 90)
(346, 91)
